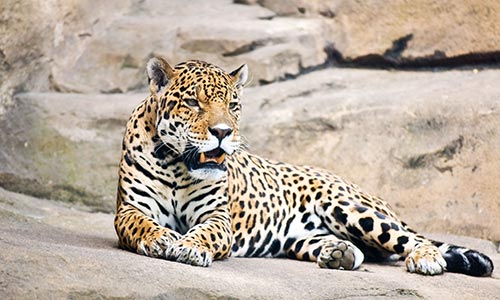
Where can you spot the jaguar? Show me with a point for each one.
(188, 191)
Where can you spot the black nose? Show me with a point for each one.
(220, 133)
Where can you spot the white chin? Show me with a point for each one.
(207, 174)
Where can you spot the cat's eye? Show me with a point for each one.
(233, 105)
(191, 102)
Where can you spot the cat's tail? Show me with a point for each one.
(466, 261)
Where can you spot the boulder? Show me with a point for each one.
(114, 59)
(65, 146)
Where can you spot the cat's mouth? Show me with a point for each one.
(213, 159)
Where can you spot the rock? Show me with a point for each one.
(114, 59)
(65, 146)
(51, 250)
(404, 33)
(38, 35)
(301, 7)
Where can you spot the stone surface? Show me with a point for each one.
(65, 146)
(405, 33)
(224, 34)
(51, 250)
(37, 35)
(95, 47)
(426, 142)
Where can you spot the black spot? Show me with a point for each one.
(298, 246)
(344, 203)
(402, 240)
(328, 204)
(339, 215)
(257, 237)
(354, 231)
(144, 205)
(394, 226)
(289, 242)
(385, 227)
(361, 209)
(141, 193)
(366, 224)
(288, 223)
(314, 241)
(275, 247)
(310, 226)
(305, 217)
(306, 257)
(268, 238)
(384, 238)
(128, 160)
(317, 251)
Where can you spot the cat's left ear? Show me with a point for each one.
(240, 76)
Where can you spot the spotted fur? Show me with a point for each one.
(188, 192)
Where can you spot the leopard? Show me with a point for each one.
(189, 191)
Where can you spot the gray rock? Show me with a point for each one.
(51, 250)
(65, 146)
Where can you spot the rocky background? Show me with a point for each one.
(400, 97)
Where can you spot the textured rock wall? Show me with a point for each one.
(401, 33)
(36, 36)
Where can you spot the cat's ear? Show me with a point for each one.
(240, 76)
(160, 73)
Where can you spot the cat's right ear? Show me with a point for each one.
(160, 73)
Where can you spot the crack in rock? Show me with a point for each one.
(447, 152)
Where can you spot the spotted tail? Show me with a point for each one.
(465, 261)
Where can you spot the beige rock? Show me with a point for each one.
(411, 33)
(326, 8)
(38, 35)
(225, 34)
